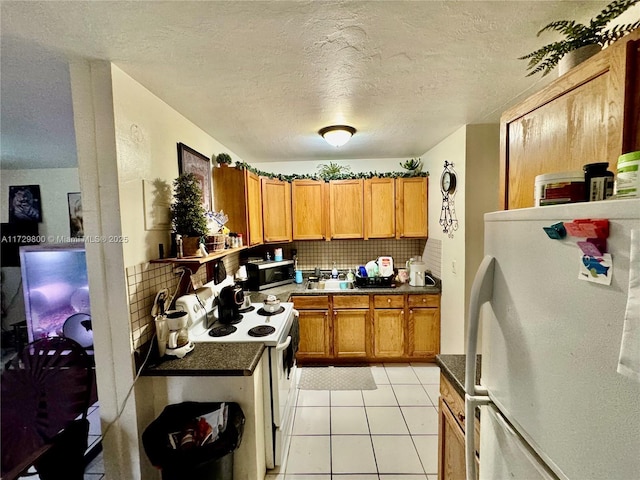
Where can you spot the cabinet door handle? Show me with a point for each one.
(424, 300)
(388, 300)
(461, 417)
(411, 312)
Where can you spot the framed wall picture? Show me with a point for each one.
(76, 227)
(190, 161)
(25, 204)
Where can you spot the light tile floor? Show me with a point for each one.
(390, 433)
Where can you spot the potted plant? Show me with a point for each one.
(333, 171)
(413, 165)
(222, 159)
(187, 213)
(582, 41)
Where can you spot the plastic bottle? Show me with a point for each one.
(598, 181)
(334, 271)
(350, 276)
(628, 182)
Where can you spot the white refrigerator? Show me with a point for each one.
(552, 403)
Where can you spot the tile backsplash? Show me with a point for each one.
(146, 279)
(433, 256)
(346, 253)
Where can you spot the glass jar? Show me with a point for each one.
(598, 181)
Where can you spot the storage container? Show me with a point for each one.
(598, 181)
(628, 181)
(561, 187)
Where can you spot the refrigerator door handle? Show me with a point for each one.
(470, 404)
(481, 292)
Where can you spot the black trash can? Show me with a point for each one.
(212, 461)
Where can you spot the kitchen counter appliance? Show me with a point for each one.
(230, 300)
(278, 331)
(265, 274)
(553, 405)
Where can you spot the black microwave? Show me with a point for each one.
(265, 274)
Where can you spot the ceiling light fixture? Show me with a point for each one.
(337, 135)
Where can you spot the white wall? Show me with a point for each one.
(452, 149)
(310, 167)
(147, 134)
(474, 151)
(124, 135)
(54, 183)
(483, 161)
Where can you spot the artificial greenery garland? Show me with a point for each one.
(329, 176)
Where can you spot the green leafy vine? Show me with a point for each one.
(329, 174)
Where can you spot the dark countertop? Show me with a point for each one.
(241, 359)
(454, 369)
(285, 291)
(210, 360)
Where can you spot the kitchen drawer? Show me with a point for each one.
(351, 301)
(453, 400)
(388, 301)
(424, 301)
(311, 302)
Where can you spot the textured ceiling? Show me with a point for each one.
(263, 77)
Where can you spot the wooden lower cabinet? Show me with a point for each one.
(424, 332)
(343, 328)
(451, 430)
(315, 327)
(451, 453)
(388, 333)
(350, 333)
(314, 334)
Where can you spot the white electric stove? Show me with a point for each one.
(275, 331)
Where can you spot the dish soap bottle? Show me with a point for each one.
(350, 276)
(334, 271)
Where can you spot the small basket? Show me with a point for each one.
(215, 242)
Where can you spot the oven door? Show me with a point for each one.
(283, 392)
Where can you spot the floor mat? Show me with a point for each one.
(337, 378)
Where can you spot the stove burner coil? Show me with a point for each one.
(262, 311)
(222, 331)
(261, 331)
(250, 308)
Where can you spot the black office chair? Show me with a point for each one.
(46, 392)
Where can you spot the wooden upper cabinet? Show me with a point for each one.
(309, 209)
(254, 208)
(346, 207)
(379, 208)
(238, 193)
(276, 210)
(412, 207)
(588, 115)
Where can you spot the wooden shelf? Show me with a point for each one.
(197, 261)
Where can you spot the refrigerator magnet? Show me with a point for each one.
(596, 268)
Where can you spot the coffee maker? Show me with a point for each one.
(229, 302)
(177, 343)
